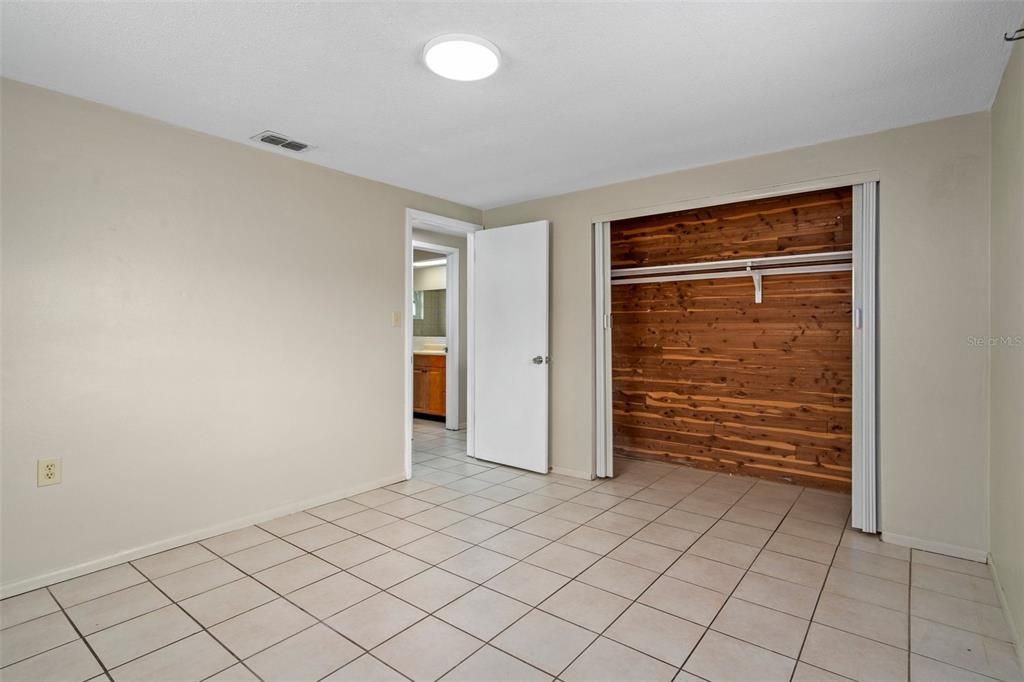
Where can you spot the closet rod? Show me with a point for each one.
(827, 256)
(797, 269)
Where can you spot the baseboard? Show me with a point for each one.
(1008, 614)
(11, 589)
(957, 551)
(572, 473)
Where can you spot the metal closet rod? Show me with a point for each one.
(827, 256)
(730, 274)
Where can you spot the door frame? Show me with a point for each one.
(454, 352)
(865, 478)
(422, 220)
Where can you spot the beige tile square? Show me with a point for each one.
(348, 553)
(117, 607)
(868, 588)
(558, 491)
(376, 619)
(547, 526)
(617, 523)
(432, 589)
(975, 568)
(309, 655)
(720, 657)
(954, 584)
(473, 530)
(194, 658)
(593, 540)
(808, 673)
(364, 521)
(664, 498)
(928, 670)
(617, 488)
(265, 625)
(737, 532)
(645, 555)
(329, 596)
(515, 543)
(781, 595)
(263, 556)
(198, 579)
(158, 565)
(436, 495)
(754, 517)
(237, 540)
(236, 673)
(867, 542)
(366, 668)
(617, 577)
(483, 613)
(435, 548)
(724, 551)
(388, 569)
(809, 530)
(527, 583)
(397, 534)
(544, 641)
(687, 520)
(692, 602)
(477, 564)
(427, 650)
(569, 561)
(405, 507)
(299, 572)
(319, 537)
(706, 573)
(963, 649)
(587, 606)
(877, 565)
(506, 515)
(71, 662)
(576, 513)
(703, 507)
(498, 475)
(640, 510)
(812, 550)
(221, 603)
(292, 523)
(470, 504)
(768, 628)
(131, 639)
(25, 607)
(411, 487)
(527, 483)
(656, 633)
(852, 656)
(375, 498)
(494, 665)
(864, 619)
(667, 536)
(78, 590)
(597, 500)
(34, 636)
(793, 569)
(960, 613)
(336, 510)
(608, 660)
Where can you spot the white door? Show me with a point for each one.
(510, 343)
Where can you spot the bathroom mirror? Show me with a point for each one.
(429, 314)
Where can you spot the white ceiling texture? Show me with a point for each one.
(587, 94)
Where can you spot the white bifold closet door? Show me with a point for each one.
(510, 345)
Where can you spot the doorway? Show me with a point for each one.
(738, 335)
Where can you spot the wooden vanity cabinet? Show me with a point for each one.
(428, 384)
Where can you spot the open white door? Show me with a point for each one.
(510, 345)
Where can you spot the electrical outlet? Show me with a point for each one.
(47, 472)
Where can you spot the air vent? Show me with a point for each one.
(279, 140)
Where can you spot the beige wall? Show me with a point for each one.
(433, 277)
(459, 243)
(1007, 370)
(934, 215)
(192, 325)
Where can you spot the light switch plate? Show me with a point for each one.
(396, 319)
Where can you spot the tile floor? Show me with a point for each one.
(475, 572)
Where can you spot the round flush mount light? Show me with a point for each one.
(461, 57)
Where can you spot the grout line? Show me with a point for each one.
(78, 632)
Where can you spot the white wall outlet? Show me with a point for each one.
(47, 472)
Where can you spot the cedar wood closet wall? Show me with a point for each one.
(702, 374)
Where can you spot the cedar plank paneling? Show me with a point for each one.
(702, 374)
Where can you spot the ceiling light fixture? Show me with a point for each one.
(461, 57)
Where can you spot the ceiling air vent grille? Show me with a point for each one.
(279, 140)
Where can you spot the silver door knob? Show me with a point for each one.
(538, 360)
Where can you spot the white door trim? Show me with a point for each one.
(422, 220)
(452, 358)
(865, 341)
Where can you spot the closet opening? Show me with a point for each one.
(738, 338)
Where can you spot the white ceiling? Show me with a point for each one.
(588, 93)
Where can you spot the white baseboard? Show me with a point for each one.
(957, 551)
(1008, 614)
(572, 473)
(11, 589)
